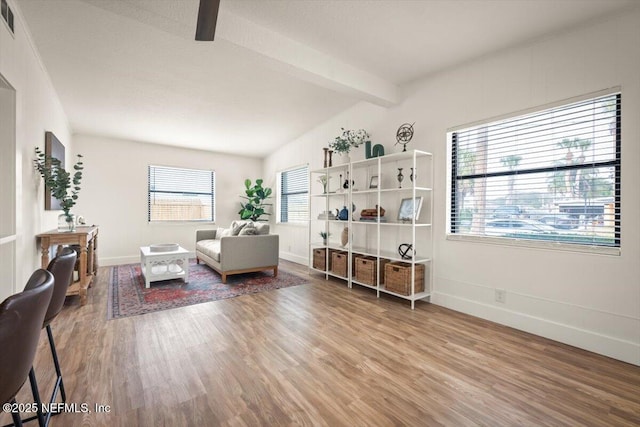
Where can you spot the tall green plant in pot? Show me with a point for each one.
(63, 185)
(255, 197)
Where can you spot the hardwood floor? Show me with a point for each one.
(322, 354)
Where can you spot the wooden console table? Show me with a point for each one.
(87, 238)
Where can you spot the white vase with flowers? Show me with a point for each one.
(343, 143)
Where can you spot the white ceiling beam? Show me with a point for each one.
(305, 63)
(277, 51)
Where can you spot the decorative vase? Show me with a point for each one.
(324, 182)
(413, 176)
(344, 237)
(324, 242)
(66, 223)
(400, 177)
(343, 215)
(345, 159)
(345, 185)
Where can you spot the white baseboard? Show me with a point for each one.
(294, 258)
(108, 261)
(597, 342)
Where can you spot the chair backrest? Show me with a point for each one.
(62, 269)
(21, 318)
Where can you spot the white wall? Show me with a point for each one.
(38, 109)
(589, 301)
(114, 193)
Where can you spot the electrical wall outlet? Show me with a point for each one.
(501, 296)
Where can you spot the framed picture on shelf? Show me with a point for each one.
(410, 209)
(373, 183)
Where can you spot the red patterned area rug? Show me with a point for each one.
(129, 297)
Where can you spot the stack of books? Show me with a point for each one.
(327, 215)
(373, 219)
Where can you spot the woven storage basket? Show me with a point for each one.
(320, 260)
(397, 277)
(366, 269)
(339, 263)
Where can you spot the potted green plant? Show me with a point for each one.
(343, 143)
(63, 185)
(255, 195)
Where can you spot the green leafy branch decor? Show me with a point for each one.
(349, 138)
(255, 196)
(63, 185)
(325, 235)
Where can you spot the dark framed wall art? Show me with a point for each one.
(54, 148)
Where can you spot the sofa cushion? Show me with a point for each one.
(249, 230)
(222, 232)
(210, 248)
(237, 226)
(262, 227)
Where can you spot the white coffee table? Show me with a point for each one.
(164, 265)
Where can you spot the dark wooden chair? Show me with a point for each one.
(61, 267)
(21, 319)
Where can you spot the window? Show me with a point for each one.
(7, 14)
(294, 195)
(551, 175)
(177, 194)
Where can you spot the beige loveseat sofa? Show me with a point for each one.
(244, 247)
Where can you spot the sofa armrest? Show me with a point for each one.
(241, 252)
(205, 235)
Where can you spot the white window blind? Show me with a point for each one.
(178, 194)
(294, 195)
(552, 175)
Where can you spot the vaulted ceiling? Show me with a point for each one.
(131, 68)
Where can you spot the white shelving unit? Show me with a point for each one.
(378, 240)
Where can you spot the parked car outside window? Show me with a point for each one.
(562, 222)
(501, 227)
(510, 211)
